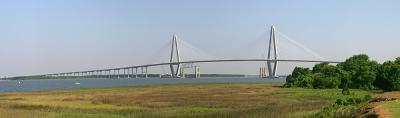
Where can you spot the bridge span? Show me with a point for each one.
(144, 68)
(176, 63)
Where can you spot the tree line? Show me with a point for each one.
(358, 72)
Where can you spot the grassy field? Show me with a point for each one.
(172, 101)
(389, 108)
(393, 108)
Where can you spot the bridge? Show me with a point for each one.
(176, 65)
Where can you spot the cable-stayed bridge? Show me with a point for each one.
(177, 66)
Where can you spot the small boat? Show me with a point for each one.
(77, 83)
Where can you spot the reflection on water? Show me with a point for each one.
(37, 85)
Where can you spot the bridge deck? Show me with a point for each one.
(206, 61)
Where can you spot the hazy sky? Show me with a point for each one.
(46, 36)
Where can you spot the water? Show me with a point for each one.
(52, 84)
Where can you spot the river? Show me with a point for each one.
(53, 84)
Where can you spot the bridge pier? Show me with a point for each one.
(118, 73)
(182, 73)
(196, 72)
(129, 75)
(100, 74)
(123, 75)
(141, 68)
(126, 73)
(107, 75)
(95, 74)
(144, 72)
(136, 73)
(264, 72)
(114, 74)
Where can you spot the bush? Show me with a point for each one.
(346, 91)
(357, 72)
(300, 77)
(335, 111)
(362, 71)
(322, 82)
(322, 76)
(388, 78)
(352, 101)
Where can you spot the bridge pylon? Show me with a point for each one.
(272, 65)
(175, 72)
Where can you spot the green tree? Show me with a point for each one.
(362, 71)
(323, 82)
(345, 76)
(319, 67)
(324, 73)
(388, 78)
(300, 77)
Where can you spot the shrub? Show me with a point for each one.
(388, 78)
(362, 71)
(322, 82)
(300, 77)
(352, 101)
(357, 72)
(346, 91)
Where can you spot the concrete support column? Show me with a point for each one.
(182, 72)
(115, 74)
(109, 73)
(118, 73)
(136, 74)
(146, 72)
(129, 75)
(196, 72)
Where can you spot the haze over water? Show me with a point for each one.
(53, 84)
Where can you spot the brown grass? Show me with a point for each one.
(183, 100)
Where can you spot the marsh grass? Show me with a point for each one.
(173, 101)
(393, 107)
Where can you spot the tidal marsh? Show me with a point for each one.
(172, 101)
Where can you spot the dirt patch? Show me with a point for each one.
(372, 110)
(382, 112)
(376, 110)
(367, 111)
(390, 95)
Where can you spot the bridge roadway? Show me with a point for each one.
(203, 61)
